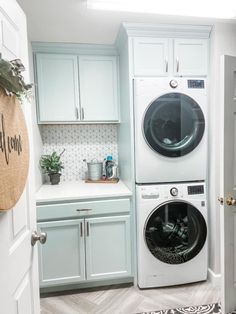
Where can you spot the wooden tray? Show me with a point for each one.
(102, 181)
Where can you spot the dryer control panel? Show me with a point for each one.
(196, 84)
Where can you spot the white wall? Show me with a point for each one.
(223, 41)
(125, 132)
(38, 145)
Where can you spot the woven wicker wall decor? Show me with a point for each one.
(14, 151)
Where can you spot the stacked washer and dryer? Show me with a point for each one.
(170, 162)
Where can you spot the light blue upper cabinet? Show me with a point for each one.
(98, 88)
(151, 56)
(77, 89)
(190, 57)
(170, 57)
(58, 87)
(108, 247)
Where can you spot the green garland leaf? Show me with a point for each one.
(11, 79)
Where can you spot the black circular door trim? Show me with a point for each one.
(173, 124)
(179, 239)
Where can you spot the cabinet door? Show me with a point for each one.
(151, 56)
(62, 257)
(190, 57)
(10, 39)
(58, 89)
(108, 249)
(98, 88)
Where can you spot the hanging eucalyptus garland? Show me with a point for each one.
(11, 79)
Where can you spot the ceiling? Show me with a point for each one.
(71, 21)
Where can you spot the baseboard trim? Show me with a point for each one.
(214, 278)
(86, 284)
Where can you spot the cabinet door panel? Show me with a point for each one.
(108, 250)
(62, 257)
(150, 57)
(10, 47)
(190, 56)
(58, 90)
(98, 88)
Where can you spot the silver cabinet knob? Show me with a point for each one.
(42, 237)
(174, 191)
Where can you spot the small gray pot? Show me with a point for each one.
(54, 178)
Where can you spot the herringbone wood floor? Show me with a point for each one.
(129, 299)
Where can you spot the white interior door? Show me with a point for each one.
(228, 184)
(19, 288)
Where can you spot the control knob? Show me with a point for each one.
(174, 191)
(173, 83)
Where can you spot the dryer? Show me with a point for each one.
(170, 129)
(171, 234)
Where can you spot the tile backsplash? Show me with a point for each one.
(80, 142)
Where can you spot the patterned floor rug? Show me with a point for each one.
(201, 309)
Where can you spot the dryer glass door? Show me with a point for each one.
(173, 125)
(175, 232)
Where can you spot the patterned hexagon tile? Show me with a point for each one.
(80, 142)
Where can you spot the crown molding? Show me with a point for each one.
(73, 48)
(163, 30)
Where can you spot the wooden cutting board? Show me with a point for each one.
(102, 181)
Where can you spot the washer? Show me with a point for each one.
(171, 234)
(170, 129)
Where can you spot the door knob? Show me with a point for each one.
(42, 237)
(231, 201)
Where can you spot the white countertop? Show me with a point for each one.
(77, 190)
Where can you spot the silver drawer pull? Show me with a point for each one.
(166, 61)
(81, 230)
(87, 229)
(82, 113)
(177, 65)
(83, 209)
(77, 113)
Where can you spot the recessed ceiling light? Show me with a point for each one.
(201, 8)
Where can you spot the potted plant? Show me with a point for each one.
(52, 165)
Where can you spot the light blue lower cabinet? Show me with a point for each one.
(85, 250)
(108, 251)
(62, 257)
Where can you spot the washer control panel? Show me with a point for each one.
(174, 191)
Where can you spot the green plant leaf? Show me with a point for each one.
(51, 163)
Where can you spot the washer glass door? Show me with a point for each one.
(175, 232)
(173, 125)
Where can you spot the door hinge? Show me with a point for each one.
(221, 200)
